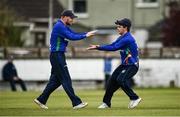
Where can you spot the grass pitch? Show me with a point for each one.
(156, 102)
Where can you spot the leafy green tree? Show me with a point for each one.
(9, 34)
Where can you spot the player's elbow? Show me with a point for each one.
(74, 37)
(115, 48)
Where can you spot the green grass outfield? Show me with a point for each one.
(156, 102)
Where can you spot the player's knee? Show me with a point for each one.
(122, 81)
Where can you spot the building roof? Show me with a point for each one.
(34, 8)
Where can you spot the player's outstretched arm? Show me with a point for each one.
(91, 33)
(93, 47)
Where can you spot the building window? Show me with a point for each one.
(79, 7)
(147, 3)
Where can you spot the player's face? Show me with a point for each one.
(69, 21)
(121, 30)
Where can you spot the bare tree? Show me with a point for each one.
(171, 25)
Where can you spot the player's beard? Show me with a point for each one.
(67, 23)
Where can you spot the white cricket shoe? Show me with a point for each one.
(134, 103)
(40, 104)
(103, 106)
(81, 105)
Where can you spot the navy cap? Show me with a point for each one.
(68, 13)
(124, 22)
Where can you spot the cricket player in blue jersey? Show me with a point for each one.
(60, 36)
(128, 68)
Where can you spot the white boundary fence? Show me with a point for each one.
(152, 72)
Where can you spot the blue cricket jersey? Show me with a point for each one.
(60, 36)
(128, 49)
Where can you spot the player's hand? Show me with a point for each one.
(91, 33)
(15, 78)
(92, 47)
